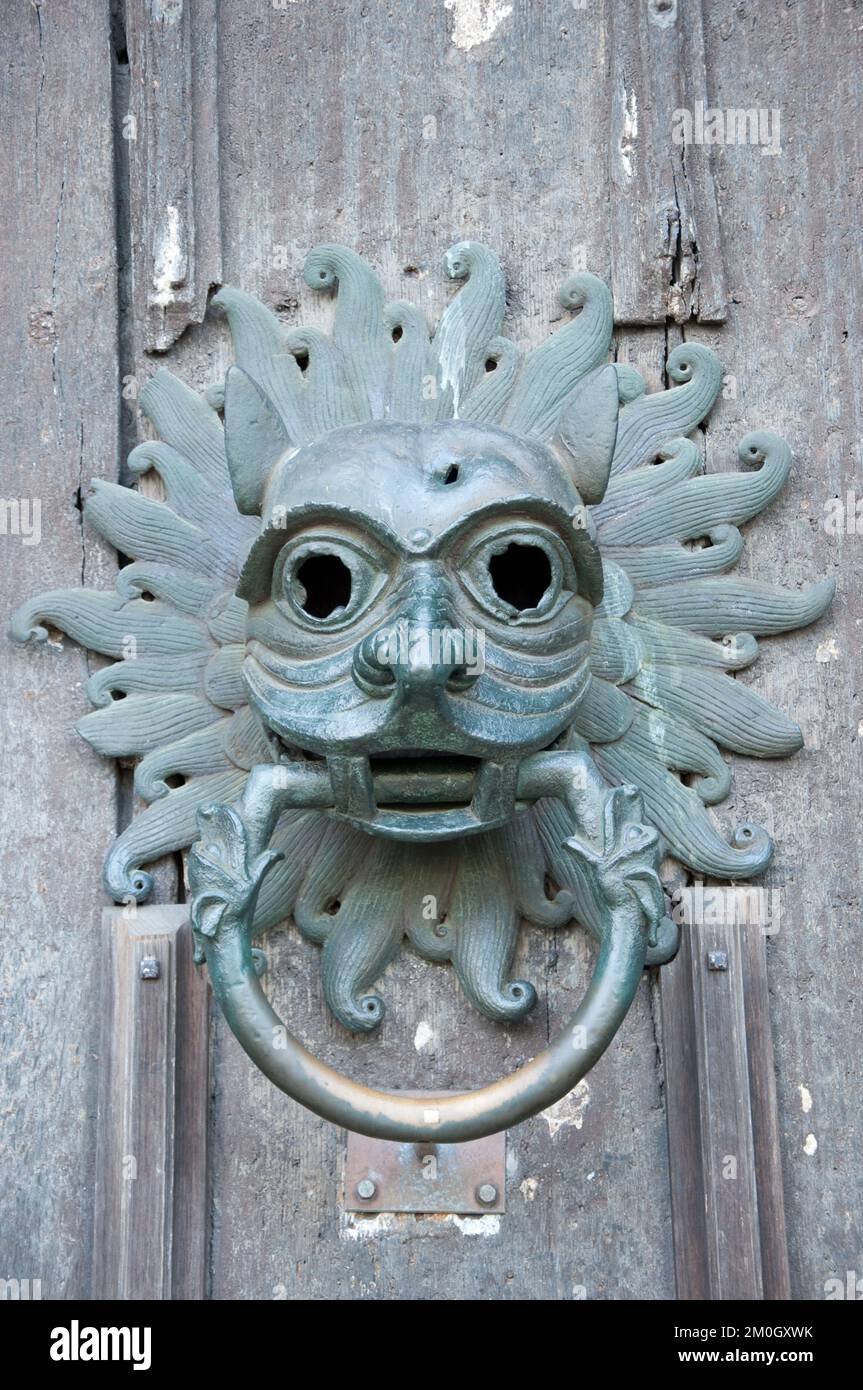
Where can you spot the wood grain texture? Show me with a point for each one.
(171, 129)
(793, 260)
(57, 804)
(394, 132)
(150, 1239)
(733, 1248)
(726, 1176)
(666, 256)
(773, 1229)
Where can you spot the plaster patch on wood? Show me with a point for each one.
(356, 1227)
(810, 1145)
(529, 1188)
(569, 1112)
(477, 1225)
(169, 268)
(630, 131)
(476, 21)
(805, 1099)
(171, 11)
(353, 1227)
(422, 1036)
(827, 651)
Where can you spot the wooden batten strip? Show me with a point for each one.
(151, 1157)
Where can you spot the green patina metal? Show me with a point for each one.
(424, 648)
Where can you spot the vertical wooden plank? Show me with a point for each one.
(683, 1110)
(58, 384)
(701, 291)
(775, 1273)
(726, 1178)
(731, 1198)
(643, 230)
(169, 222)
(666, 254)
(793, 258)
(191, 1214)
(151, 1219)
(173, 184)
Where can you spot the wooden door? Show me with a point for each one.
(546, 131)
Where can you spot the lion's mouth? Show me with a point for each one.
(415, 778)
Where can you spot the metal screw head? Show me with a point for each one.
(486, 1194)
(717, 960)
(366, 1189)
(149, 969)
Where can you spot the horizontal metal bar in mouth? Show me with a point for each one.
(424, 780)
(310, 784)
(422, 757)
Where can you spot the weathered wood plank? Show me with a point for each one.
(793, 260)
(726, 1176)
(57, 802)
(151, 1170)
(172, 133)
(701, 290)
(168, 225)
(666, 256)
(687, 1175)
(775, 1270)
(733, 1249)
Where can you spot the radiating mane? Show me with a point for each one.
(674, 622)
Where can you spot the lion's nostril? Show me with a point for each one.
(462, 678)
(372, 671)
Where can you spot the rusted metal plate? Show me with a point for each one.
(381, 1175)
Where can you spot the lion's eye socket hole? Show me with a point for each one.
(520, 575)
(323, 585)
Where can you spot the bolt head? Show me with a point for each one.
(486, 1194)
(717, 960)
(149, 969)
(366, 1189)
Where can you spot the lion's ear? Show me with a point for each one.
(587, 432)
(254, 439)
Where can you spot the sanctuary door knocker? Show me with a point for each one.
(431, 619)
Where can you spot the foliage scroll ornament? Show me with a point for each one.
(424, 618)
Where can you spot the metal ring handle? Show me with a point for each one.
(387, 1114)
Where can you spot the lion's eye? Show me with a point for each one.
(325, 580)
(520, 575)
(321, 586)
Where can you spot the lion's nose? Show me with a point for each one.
(419, 654)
